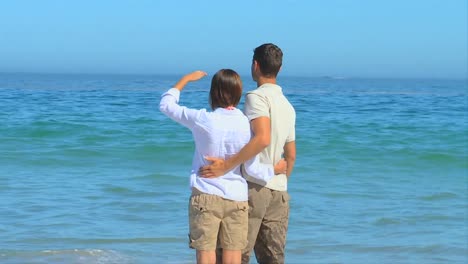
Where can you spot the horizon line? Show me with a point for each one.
(330, 77)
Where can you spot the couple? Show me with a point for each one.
(239, 200)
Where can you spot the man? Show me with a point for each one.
(272, 120)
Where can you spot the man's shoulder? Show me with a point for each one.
(256, 96)
(256, 92)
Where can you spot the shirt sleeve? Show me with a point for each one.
(256, 106)
(181, 114)
(260, 171)
(292, 132)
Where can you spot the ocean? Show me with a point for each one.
(92, 172)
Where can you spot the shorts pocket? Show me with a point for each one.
(243, 206)
(198, 204)
(285, 197)
(190, 241)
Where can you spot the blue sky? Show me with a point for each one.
(346, 38)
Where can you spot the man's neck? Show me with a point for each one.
(262, 80)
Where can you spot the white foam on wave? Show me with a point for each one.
(72, 256)
(82, 256)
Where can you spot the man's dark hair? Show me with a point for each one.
(269, 58)
(226, 89)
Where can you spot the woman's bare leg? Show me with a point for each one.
(206, 257)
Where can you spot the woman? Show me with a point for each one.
(218, 209)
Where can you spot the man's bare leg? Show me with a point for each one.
(231, 256)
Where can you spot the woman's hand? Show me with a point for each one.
(193, 76)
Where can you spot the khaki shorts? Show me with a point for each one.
(215, 220)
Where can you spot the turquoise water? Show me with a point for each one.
(92, 172)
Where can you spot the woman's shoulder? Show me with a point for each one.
(224, 118)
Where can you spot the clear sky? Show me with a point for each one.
(346, 38)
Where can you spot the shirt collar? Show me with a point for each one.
(271, 87)
(226, 111)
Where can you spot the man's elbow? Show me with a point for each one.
(290, 157)
(263, 142)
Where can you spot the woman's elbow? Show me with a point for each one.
(162, 107)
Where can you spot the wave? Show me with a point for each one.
(443, 158)
(386, 221)
(50, 129)
(77, 256)
(107, 241)
(439, 196)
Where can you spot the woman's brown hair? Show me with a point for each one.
(226, 89)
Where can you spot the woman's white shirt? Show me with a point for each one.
(221, 133)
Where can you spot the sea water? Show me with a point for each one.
(92, 172)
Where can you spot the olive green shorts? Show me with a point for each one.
(268, 225)
(217, 221)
